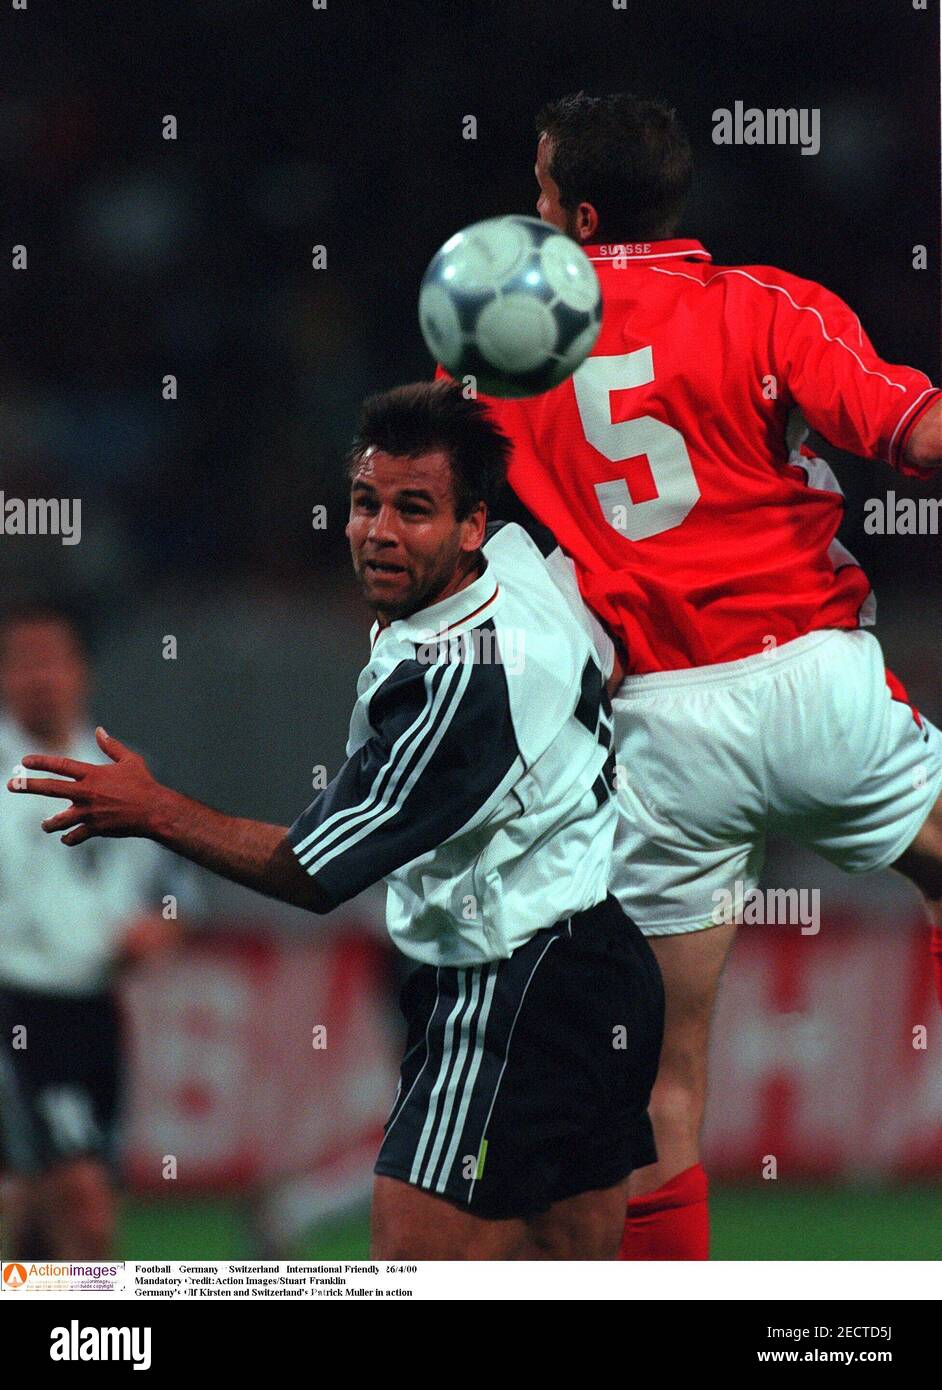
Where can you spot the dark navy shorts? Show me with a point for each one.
(526, 1080)
(59, 1095)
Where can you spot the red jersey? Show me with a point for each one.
(668, 467)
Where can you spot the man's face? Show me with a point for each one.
(548, 207)
(43, 676)
(408, 548)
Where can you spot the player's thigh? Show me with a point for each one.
(922, 860)
(858, 771)
(691, 966)
(409, 1223)
(586, 1227)
(690, 837)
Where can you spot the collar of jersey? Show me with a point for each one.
(645, 251)
(447, 617)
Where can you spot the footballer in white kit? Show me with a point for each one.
(68, 925)
(478, 785)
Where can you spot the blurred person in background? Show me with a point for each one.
(69, 925)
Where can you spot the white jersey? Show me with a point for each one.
(62, 910)
(478, 779)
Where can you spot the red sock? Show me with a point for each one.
(935, 948)
(672, 1223)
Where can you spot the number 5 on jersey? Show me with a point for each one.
(661, 444)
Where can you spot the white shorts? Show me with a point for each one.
(805, 741)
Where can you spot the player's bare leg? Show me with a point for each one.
(667, 1214)
(691, 965)
(412, 1224)
(922, 864)
(78, 1209)
(586, 1227)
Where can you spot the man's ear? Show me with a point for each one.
(473, 527)
(587, 222)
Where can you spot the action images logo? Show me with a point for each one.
(62, 1278)
(14, 1276)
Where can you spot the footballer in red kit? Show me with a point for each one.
(672, 468)
(681, 429)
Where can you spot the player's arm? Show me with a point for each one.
(923, 448)
(827, 365)
(443, 751)
(443, 755)
(249, 852)
(122, 798)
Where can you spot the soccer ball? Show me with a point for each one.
(512, 302)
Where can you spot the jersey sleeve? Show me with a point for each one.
(443, 755)
(844, 389)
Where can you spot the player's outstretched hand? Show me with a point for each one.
(111, 799)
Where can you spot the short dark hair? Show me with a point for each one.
(626, 155)
(412, 420)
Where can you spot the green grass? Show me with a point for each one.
(215, 1228)
(210, 1228)
(755, 1223)
(827, 1223)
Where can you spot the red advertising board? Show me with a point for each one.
(253, 1061)
(827, 1054)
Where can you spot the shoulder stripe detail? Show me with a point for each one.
(381, 807)
(803, 308)
(399, 750)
